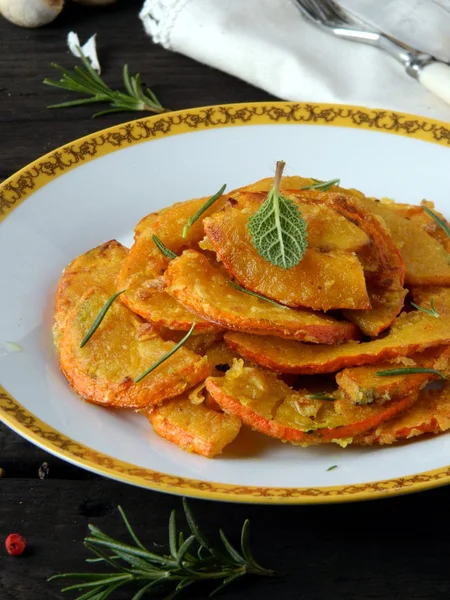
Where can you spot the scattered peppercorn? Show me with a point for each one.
(15, 544)
(223, 367)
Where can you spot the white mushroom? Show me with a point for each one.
(31, 13)
(95, 2)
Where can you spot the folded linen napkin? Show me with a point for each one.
(269, 44)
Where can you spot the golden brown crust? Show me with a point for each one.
(271, 407)
(194, 427)
(321, 281)
(104, 370)
(203, 289)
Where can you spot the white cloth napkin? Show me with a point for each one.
(269, 44)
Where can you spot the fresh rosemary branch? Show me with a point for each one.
(84, 80)
(321, 186)
(277, 229)
(409, 371)
(255, 294)
(429, 311)
(99, 318)
(166, 356)
(321, 396)
(163, 248)
(198, 214)
(442, 224)
(191, 560)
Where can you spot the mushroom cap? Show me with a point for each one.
(31, 13)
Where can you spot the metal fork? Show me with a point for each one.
(332, 18)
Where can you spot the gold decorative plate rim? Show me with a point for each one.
(37, 174)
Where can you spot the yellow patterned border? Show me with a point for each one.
(24, 183)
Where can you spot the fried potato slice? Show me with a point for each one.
(410, 333)
(269, 406)
(141, 276)
(426, 261)
(416, 214)
(104, 370)
(203, 289)
(386, 305)
(97, 267)
(362, 385)
(424, 295)
(430, 414)
(321, 281)
(383, 267)
(169, 221)
(194, 427)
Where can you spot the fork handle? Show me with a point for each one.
(435, 76)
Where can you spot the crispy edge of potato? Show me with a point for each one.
(124, 394)
(90, 264)
(169, 421)
(228, 248)
(280, 430)
(185, 289)
(362, 386)
(430, 414)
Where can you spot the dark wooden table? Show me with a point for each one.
(392, 549)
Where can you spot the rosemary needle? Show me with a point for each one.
(163, 248)
(321, 186)
(99, 318)
(429, 311)
(255, 294)
(84, 80)
(442, 224)
(321, 396)
(409, 371)
(198, 214)
(167, 355)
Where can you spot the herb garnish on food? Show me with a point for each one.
(242, 289)
(99, 318)
(321, 396)
(442, 224)
(198, 214)
(85, 80)
(321, 186)
(277, 229)
(163, 248)
(409, 371)
(190, 561)
(167, 355)
(432, 312)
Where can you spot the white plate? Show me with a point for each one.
(97, 188)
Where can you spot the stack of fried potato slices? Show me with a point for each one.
(302, 367)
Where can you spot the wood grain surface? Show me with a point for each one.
(392, 549)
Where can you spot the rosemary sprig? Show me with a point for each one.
(190, 561)
(99, 318)
(277, 229)
(442, 224)
(255, 294)
(198, 214)
(84, 80)
(163, 248)
(322, 186)
(432, 312)
(167, 355)
(321, 396)
(409, 371)
(332, 468)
